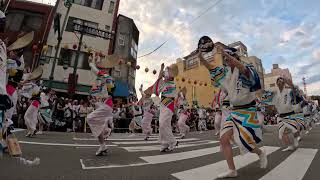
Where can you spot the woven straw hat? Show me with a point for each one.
(36, 74)
(109, 61)
(22, 42)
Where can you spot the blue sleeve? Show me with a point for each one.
(253, 81)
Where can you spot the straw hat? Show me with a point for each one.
(109, 61)
(22, 42)
(36, 74)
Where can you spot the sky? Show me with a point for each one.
(276, 31)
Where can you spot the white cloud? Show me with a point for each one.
(316, 54)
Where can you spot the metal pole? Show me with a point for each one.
(75, 66)
(58, 47)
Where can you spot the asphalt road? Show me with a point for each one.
(71, 156)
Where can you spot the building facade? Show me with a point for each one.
(99, 14)
(271, 78)
(196, 78)
(26, 16)
(126, 45)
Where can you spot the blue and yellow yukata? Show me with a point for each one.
(242, 120)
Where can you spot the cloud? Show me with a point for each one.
(276, 31)
(316, 54)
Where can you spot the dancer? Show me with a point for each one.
(284, 100)
(31, 90)
(167, 88)
(45, 114)
(148, 113)
(5, 101)
(183, 114)
(308, 118)
(202, 125)
(240, 82)
(99, 119)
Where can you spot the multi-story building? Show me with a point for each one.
(196, 78)
(26, 16)
(271, 78)
(99, 14)
(125, 45)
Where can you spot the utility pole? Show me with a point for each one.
(68, 5)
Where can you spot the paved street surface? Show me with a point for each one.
(71, 156)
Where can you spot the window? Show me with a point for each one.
(192, 62)
(272, 85)
(23, 21)
(134, 49)
(121, 39)
(72, 20)
(111, 7)
(117, 71)
(70, 56)
(95, 4)
(107, 28)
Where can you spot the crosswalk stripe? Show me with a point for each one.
(152, 142)
(209, 172)
(296, 165)
(180, 156)
(60, 144)
(157, 147)
(119, 139)
(157, 159)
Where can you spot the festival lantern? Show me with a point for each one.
(129, 63)
(154, 72)
(195, 82)
(45, 48)
(34, 48)
(74, 46)
(137, 67)
(66, 46)
(146, 70)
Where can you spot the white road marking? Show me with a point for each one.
(157, 159)
(294, 167)
(180, 156)
(209, 172)
(18, 130)
(119, 139)
(157, 147)
(59, 144)
(152, 142)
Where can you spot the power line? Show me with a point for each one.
(191, 22)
